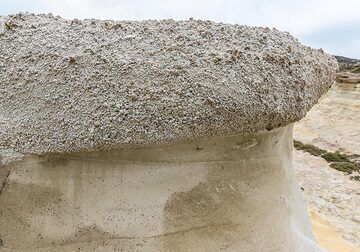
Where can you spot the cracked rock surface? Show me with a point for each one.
(69, 85)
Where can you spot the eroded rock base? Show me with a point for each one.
(231, 194)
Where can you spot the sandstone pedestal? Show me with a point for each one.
(236, 193)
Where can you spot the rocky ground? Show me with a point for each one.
(350, 70)
(349, 77)
(332, 195)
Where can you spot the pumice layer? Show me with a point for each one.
(70, 85)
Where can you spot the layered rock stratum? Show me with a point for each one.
(69, 85)
(199, 117)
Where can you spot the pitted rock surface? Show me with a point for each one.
(68, 85)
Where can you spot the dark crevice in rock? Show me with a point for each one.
(2, 184)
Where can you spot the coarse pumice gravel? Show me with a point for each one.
(68, 85)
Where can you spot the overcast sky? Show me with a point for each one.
(329, 24)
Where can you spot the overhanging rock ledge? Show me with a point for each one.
(152, 135)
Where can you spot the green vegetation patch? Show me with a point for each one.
(347, 167)
(337, 160)
(357, 178)
(335, 157)
(313, 150)
(355, 69)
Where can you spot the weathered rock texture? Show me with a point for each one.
(347, 77)
(236, 193)
(199, 117)
(72, 85)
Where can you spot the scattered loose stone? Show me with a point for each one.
(210, 101)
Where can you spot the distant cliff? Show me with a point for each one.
(347, 63)
(350, 70)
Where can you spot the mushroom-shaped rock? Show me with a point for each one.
(153, 135)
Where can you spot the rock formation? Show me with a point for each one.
(348, 77)
(153, 135)
(345, 63)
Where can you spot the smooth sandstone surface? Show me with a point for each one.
(235, 193)
(69, 85)
(334, 199)
(332, 124)
(327, 236)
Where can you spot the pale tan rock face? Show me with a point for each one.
(237, 193)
